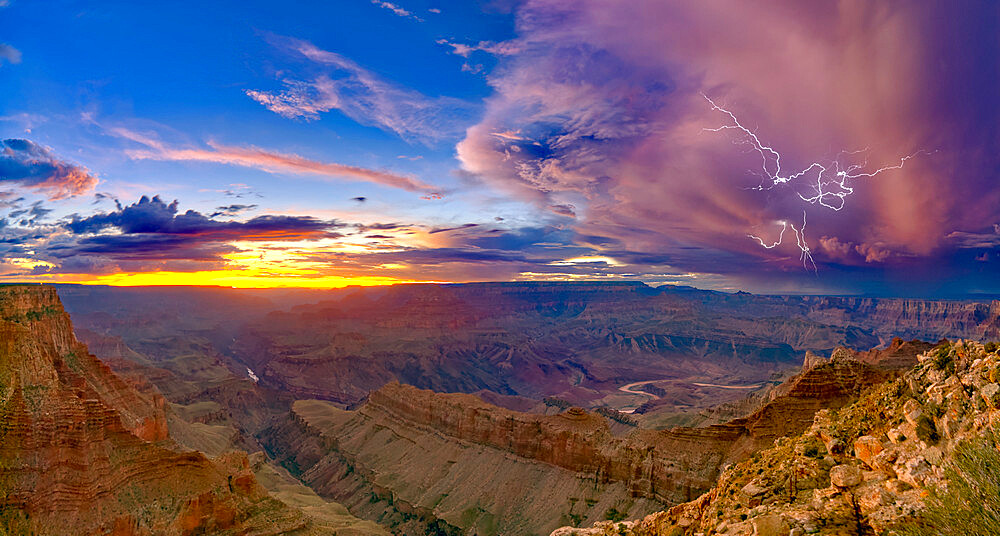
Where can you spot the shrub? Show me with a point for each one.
(944, 359)
(552, 401)
(613, 514)
(926, 431)
(970, 504)
(616, 416)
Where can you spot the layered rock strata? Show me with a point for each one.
(411, 456)
(82, 452)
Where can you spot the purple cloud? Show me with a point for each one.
(601, 108)
(30, 165)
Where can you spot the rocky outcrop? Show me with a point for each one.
(82, 452)
(867, 468)
(899, 355)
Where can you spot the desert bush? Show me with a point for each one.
(616, 416)
(552, 401)
(944, 359)
(614, 514)
(970, 503)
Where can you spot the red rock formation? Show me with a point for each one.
(82, 452)
(900, 355)
(668, 466)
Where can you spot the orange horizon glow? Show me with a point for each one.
(221, 278)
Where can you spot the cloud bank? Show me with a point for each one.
(602, 109)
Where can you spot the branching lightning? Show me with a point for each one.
(800, 240)
(830, 188)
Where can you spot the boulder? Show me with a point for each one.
(884, 461)
(770, 525)
(991, 394)
(914, 471)
(866, 448)
(912, 411)
(752, 494)
(845, 476)
(895, 435)
(873, 497)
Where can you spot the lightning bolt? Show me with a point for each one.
(800, 240)
(829, 190)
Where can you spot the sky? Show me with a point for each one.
(846, 147)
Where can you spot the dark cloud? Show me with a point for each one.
(564, 209)
(144, 247)
(104, 196)
(27, 164)
(446, 229)
(154, 216)
(380, 226)
(32, 216)
(154, 229)
(231, 210)
(600, 115)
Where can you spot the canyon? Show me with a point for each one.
(84, 452)
(413, 458)
(434, 409)
(575, 341)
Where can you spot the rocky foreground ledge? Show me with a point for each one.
(890, 463)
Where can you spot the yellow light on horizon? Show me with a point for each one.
(238, 279)
(584, 259)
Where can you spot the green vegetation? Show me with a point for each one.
(613, 514)
(877, 410)
(33, 315)
(616, 416)
(944, 358)
(971, 502)
(72, 361)
(554, 402)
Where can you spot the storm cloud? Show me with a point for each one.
(602, 109)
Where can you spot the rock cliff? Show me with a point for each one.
(82, 452)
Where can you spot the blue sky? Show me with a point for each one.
(180, 73)
(324, 143)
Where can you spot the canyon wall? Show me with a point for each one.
(454, 464)
(82, 452)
